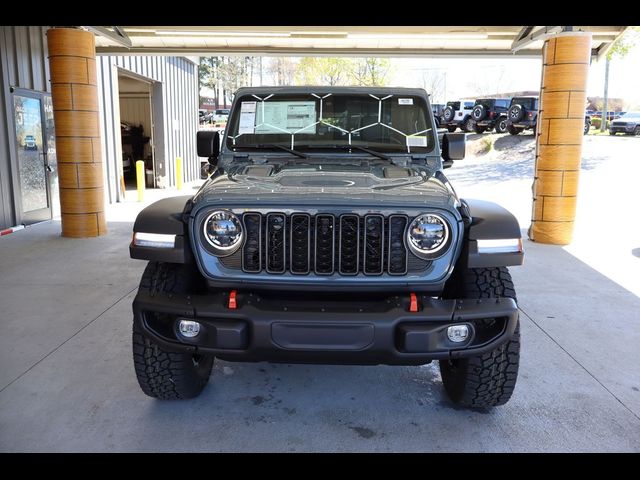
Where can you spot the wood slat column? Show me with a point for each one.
(559, 136)
(72, 64)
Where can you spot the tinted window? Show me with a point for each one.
(399, 123)
(454, 105)
(502, 103)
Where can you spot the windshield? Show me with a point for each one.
(389, 123)
(631, 115)
(222, 112)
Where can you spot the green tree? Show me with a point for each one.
(619, 49)
(209, 74)
(370, 72)
(323, 71)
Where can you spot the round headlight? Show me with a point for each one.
(428, 235)
(223, 232)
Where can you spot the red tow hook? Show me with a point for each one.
(233, 303)
(413, 306)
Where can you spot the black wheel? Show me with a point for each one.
(162, 373)
(478, 129)
(587, 126)
(515, 113)
(636, 132)
(513, 130)
(501, 125)
(448, 113)
(611, 132)
(486, 380)
(468, 125)
(451, 128)
(479, 112)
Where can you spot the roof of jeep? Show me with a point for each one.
(328, 89)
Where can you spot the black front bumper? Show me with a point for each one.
(622, 128)
(321, 330)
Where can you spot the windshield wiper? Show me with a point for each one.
(280, 147)
(352, 147)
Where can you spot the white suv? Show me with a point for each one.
(458, 114)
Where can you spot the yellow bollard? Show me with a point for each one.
(140, 178)
(179, 173)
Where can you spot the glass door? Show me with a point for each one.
(33, 166)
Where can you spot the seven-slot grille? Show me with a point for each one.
(324, 244)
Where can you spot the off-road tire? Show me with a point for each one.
(468, 125)
(451, 128)
(513, 130)
(162, 373)
(501, 125)
(478, 129)
(486, 380)
(636, 132)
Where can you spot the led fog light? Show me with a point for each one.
(458, 333)
(188, 328)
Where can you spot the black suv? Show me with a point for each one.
(328, 233)
(522, 115)
(490, 113)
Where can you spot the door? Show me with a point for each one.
(32, 147)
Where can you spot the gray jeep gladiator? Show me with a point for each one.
(328, 233)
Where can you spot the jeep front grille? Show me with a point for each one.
(325, 244)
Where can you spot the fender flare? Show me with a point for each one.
(490, 221)
(165, 217)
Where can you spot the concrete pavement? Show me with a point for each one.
(67, 381)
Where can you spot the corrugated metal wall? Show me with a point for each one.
(23, 64)
(176, 134)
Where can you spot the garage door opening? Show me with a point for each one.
(136, 130)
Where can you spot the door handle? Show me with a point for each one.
(48, 168)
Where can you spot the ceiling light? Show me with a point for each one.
(420, 36)
(209, 33)
(318, 32)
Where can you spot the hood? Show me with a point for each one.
(375, 185)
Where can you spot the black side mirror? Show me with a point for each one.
(453, 146)
(208, 142)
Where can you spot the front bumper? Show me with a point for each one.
(622, 128)
(321, 330)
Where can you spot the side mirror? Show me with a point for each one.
(453, 146)
(208, 143)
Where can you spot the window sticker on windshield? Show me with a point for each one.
(405, 101)
(417, 141)
(286, 117)
(247, 118)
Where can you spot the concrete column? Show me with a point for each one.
(559, 136)
(72, 64)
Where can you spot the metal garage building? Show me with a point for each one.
(165, 86)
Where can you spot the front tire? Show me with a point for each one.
(478, 129)
(164, 373)
(486, 380)
(451, 128)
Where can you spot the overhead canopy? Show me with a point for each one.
(393, 41)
